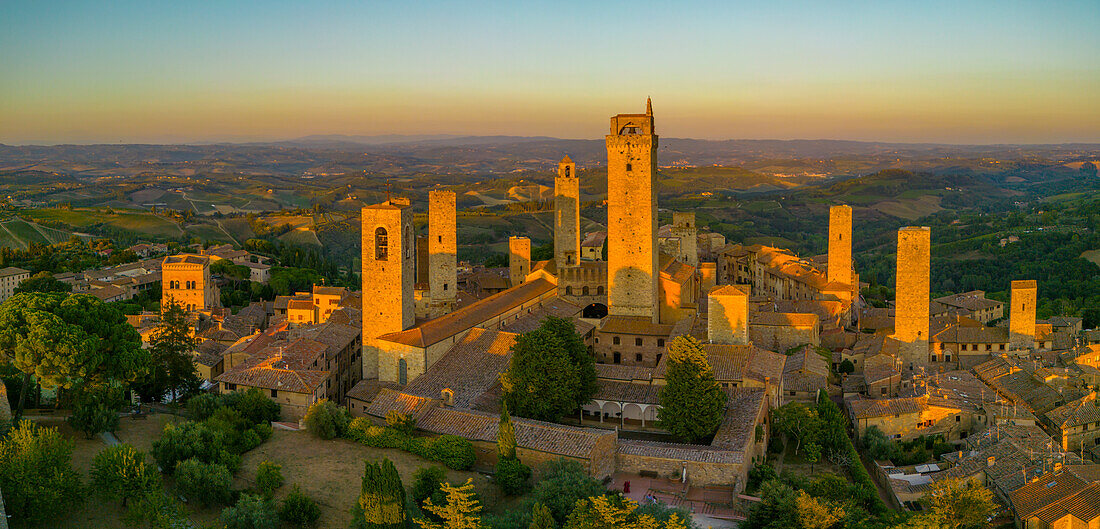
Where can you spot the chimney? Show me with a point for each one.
(989, 462)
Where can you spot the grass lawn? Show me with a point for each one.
(331, 472)
(1092, 255)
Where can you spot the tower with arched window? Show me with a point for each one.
(567, 215)
(389, 267)
(632, 258)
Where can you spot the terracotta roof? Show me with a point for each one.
(551, 438)
(956, 333)
(558, 308)
(634, 325)
(805, 370)
(738, 428)
(209, 353)
(879, 367)
(186, 259)
(871, 408)
(681, 452)
(1081, 411)
(626, 392)
(1055, 495)
(299, 304)
(281, 367)
(387, 400)
(319, 290)
(736, 362)
(973, 301)
(444, 327)
(469, 368)
(368, 388)
(677, 271)
(594, 239)
(730, 290)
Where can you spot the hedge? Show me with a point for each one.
(457, 453)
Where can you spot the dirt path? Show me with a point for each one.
(226, 232)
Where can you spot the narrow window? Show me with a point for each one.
(615, 340)
(402, 372)
(381, 244)
(628, 167)
(638, 342)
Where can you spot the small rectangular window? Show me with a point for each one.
(274, 393)
(638, 357)
(660, 342)
(615, 340)
(638, 342)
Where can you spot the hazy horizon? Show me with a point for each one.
(1023, 72)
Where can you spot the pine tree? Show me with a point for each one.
(382, 501)
(692, 402)
(541, 518)
(506, 436)
(461, 511)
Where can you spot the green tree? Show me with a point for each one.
(846, 367)
(156, 510)
(777, 509)
(513, 476)
(561, 484)
(551, 373)
(171, 345)
(96, 411)
(269, 476)
(381, 502)
(692, 401)
(298, 509)
(36, 474)
(813, 454)
(121, 472)
(42, 282)
(956, 504)
(816, 514)
(541, 518)
(251, 512)
(427, 483)
(506, 435)
(797, 420)
(326, 420)
(68, 341)
(462, 510)
(209, 484)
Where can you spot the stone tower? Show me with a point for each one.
(442, 252)
(389, 264)
(519, 259)
(632, 257)
(1021, 318)
(840, 245)
(567, 215)
(728, 315)
(683, 228)
(912, 287)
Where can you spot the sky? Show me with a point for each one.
(168, 72)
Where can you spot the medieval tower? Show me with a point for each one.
(840, 245)
(442, 252)
(519, 259)
(728, 315)
(683, 228)
(912, 294)
(389, 264)
(1021, 316)
(567, 215)
(632, 265)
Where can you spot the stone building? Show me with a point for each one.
(567, 215)
(973, 305)
(592, 248)
(1078, 423)
(840, 245)
(781, 331)
(1066, 496)
(519, 259)
(186, 280)
(442, 252)
(1021, 317)
(632, 216)
(728, 315)
(911, 320)
(10, 278)
(679, 239)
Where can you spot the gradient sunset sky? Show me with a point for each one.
(165, 72)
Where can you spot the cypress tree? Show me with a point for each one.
(382, 501)
(506, 435)
(541, 517)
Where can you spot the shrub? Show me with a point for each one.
(251, 512)
(203, 405)
(36, 473)
(120, 472)
(208, 484)
(298, 509)
(426, 481)
(561, 484)
(93, 416)
(454, 451)
(759, 474)
(253, 405)
(322, 419)
(402, 422)
(269, 476)
(846, 367)
(192, 440)
(157, 510)
(775, 445)
(513, 476)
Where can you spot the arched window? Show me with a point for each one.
(381, 244)
(569, 291)
(565, 171)
(402, 372)
(599, 290)
(584, 291)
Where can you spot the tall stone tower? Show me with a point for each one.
(683, 228)
(840, 245)
(567, 215)
(632, 257)
(728, 315)
(1021, 318)
(519, 259)
(912, 287)
(389, 267)
(442, 252)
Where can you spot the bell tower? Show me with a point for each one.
(632, 259)
(567, 215)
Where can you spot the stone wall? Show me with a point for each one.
(1021, 316)
(567, 215)
(780, 338)
(699, 474)
(683, 227)
(728, 315)
(388, 271)
(519, 259)
(840, 245)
